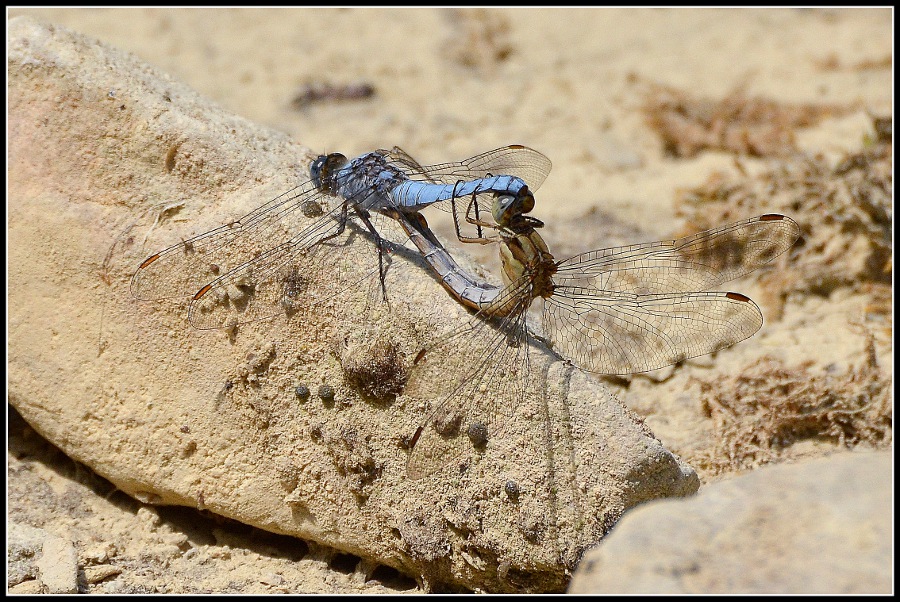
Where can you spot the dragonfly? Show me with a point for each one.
(276, 250)
(620, 310)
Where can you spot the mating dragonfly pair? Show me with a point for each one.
(619, 310)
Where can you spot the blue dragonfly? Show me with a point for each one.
(263, 263)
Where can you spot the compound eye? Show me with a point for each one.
(315, 170)
(527, 200)
(334, 161)
(322, 170)
(502, 206)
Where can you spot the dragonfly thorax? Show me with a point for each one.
(524, 253)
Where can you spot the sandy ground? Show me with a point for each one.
(596, 90)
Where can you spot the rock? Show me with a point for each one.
(111, 160)
(817, 527)
(40, 562)
(96, 574)
(23, 547)
(59, 566)
(272, 579)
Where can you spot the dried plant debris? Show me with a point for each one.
(759, 414)
(883, 131)
(738, 124)
(845, 212)
(833, 63)
(481, 38)
(317, 92)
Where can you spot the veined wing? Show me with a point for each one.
(182, 269)
(636, 308)
(278, 280)
(306, 269)
(694, 263)
(513, 160)
(480, 374)
(615, 332)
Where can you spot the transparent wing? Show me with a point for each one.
(624, 333)
(478, 375)
(287, 257)
(261, 287)
(514, 160)
(694, 263)
(631, 309)
(302, 272)
(182, 269)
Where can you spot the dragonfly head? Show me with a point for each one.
(507, 207)
(323, 170)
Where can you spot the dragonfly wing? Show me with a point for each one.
(412, 168)
(613, 332)
(312, 266)
(478, 374)
(278, 279)
(636, 308)
(182, 269)
(514, 160)
(694, 263)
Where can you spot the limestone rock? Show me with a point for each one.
(111, 160)
(818, 527)
(40, 562)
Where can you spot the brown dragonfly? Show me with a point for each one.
(620, 310)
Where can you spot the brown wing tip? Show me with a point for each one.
(148, 261)
(771, 217)
(202, 292)
(738, 297)
(415, 438)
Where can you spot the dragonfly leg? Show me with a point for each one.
(480, 223)
(455, 212)
(342, 223)
(477, 219)
(480, 239)
(379, 245)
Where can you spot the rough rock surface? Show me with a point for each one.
(819, 526)
(111, 160)
(40, 561)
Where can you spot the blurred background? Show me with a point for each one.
(445, 84)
